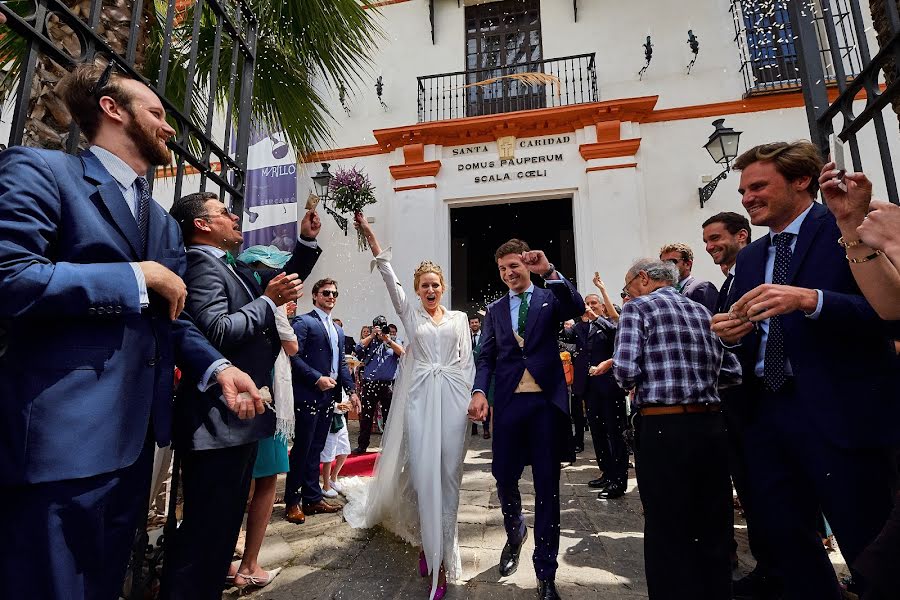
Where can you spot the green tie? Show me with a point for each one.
(523, 313)
(229, 258)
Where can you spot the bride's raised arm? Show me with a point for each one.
(383, 262)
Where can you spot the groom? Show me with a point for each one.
(531, 404)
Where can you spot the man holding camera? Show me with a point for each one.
(380, 354)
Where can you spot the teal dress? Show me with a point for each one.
(271, 457)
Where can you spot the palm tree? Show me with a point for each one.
(300, 42)
(883, 33)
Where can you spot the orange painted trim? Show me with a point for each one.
(774, 101)
(341, 153)
(610, 167)
(169, 171)
(610, 149)
(525, 123)
(424, 169)
(384, 3)
(415, 187)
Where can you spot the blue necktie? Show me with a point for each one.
(143, 210)
(775, 361)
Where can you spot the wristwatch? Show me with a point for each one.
(549, 272)
(219, 369)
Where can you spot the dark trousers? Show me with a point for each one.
(216, 484)
(735, 423)
(576, 410)
(525, 432)
(879, 562)
(311, 426)
(72, 539)
(373, 392)
(682, 474)
(798, 473)
(608, 421)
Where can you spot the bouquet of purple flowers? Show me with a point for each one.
(350, 190)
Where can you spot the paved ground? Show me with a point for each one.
(600, 558)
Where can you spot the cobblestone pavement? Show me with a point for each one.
(600, 558)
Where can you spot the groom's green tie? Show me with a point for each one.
(523, 313)
(229, 258)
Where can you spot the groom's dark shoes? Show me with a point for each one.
(509, 558)
(612, 490)
(599, 483)
(547, 590)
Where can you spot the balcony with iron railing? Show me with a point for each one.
(523, 86)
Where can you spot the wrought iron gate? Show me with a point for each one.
(820, 112)
(185, 49)
(199, 57)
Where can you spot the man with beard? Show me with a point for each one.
(90, 296)
(234, 306)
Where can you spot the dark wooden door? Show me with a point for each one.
(503, 38)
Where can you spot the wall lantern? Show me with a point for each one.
(322, 181)
(723, 148)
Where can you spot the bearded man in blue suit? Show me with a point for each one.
(90, 298)
(531, 402)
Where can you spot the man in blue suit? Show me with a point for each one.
(90, 298)
(819, 372)
(320, 372)
(531, 402)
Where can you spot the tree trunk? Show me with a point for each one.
(883, 29)
(47, 125)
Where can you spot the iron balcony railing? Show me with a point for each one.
(500, 89)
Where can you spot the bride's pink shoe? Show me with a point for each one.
(423, 565)
(441, 591)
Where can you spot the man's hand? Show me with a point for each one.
(167, 284)
(730, 328)
(2, 18)
(770, 300)
(240, 393)
(326, 383)
(880, 230)
(601, 369)
(284, 288)
(597, 281)
(478, 407)
(848, 207)
(355, 403)
(311, 225)
(536, 261)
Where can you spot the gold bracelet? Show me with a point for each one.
(844, 244)
(855, 261)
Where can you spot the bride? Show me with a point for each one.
(415, 491)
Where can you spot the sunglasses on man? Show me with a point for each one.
(329, 293)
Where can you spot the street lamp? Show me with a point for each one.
(723, 148)
(322, 181)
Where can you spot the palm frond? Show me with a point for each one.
(529, 79)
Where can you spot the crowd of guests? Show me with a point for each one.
(782, 382)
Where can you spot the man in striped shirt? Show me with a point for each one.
(667, 353)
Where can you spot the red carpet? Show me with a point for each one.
(362, 465)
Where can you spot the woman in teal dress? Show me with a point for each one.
(272, 453)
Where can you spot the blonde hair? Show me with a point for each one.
(685, 250)
(426, 266)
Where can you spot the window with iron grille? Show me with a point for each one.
(767, 47)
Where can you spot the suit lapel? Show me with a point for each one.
(755, 268)
(156, 228)
(808, 230)
(114, 201)
(324, 331)
(538, 299)
(503, 322)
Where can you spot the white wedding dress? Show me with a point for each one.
(415, 490)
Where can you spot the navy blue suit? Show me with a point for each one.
(85, 376)
(526, 425)
(817, 444)
(314, 408)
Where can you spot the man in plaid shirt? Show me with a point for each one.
(667, 353)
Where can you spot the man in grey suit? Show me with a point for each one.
(702, 292)
(234, 307)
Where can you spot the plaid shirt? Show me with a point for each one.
(665, 349)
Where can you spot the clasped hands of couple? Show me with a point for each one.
(238, 390)
(536, 262)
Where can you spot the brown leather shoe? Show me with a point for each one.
(294, 514)
(319, 508)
